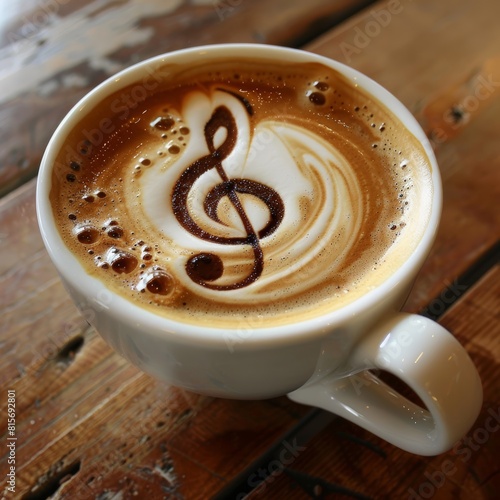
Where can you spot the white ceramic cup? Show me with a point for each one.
(322, 361)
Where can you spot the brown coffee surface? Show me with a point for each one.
(241, 193)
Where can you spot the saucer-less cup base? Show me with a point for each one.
(329, 361)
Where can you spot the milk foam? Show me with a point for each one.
(301, 167)
(352, 183)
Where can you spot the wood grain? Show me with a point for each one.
(89, 425)
(431, 58)
(77, 400)
(344, 461)
(52, 53)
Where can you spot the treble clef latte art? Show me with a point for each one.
(241, 189)
(239, 229)
(206, 267)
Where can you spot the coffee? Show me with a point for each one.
(237, 192)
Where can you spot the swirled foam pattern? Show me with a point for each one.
(242, 190)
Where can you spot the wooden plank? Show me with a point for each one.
(59, 368)
(70, 387)
(446, 70)
(53, 53)
(149, 432)
(19, 235)
(347, 461)
(92, 420)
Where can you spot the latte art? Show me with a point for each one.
(205, 268)
(256, 193)
(228, 191)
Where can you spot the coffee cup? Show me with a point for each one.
(246, 221)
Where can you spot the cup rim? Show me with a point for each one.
(126, 311)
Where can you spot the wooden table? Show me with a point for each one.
(90, 425)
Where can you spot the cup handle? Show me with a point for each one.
(426, 357)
